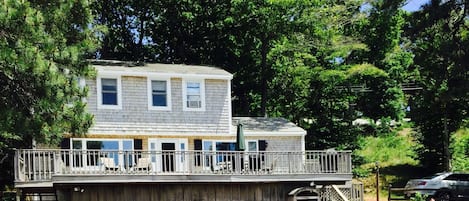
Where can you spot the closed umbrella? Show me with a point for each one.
(240, 144)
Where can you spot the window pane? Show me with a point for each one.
(76, 144)
(109, 84)
(252, 146)
(110, 145)
(77, 156)
(208, 157)
(158, 93)
(226, 146)
(128, 157)
(94, 145)
(193, 95)
(193, 85)
(193, 88)
(128, 145)
(193, 91)
(158, 86)
(159, 100)
(109, 91)
(109, 98)
(208, 146)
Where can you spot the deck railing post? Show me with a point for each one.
(16, 165)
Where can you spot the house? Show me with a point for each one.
(166, 132)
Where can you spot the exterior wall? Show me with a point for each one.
(183, 192)
(275, 143)
(282, 143)
(215, 118)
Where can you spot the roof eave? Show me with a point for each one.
(162, 74)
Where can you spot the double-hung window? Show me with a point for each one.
(109, 96)
(109, 91)
(194, 95)
(159, 94)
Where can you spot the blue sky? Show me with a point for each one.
(413, 5)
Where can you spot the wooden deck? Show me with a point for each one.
(43, 168)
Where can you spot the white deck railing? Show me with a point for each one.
(42, 165)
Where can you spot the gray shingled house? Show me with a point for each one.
(166, 132)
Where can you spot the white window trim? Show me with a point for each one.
(84, 147)
(247, 145)
(84, 140)
(100, 95)
(150, 94)
(214, 143)
(184, 94)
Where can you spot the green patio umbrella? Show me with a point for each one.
(240, 144)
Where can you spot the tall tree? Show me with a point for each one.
(289, 58)
(386, 49)
(310, 75)
(441, 45)
(43, 46)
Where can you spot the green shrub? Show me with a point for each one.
(460, 150)
(419, 197)
(387, 150)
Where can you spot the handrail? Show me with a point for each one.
(43, 164)
(392, 190)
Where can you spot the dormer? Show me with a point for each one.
(158, 95)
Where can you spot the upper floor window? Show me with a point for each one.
(159, 94)
(194, 95)
(109, 90)
(109, 95)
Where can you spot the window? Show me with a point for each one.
(158, 89)
(193, 95)
(109, 90)
(111, 148)
(109, 96)
(252, 146)
(159, 94)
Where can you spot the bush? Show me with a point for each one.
(460, 150)
(388, 150)
(419, 197)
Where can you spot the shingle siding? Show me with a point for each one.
(291, 143)
(215, 118)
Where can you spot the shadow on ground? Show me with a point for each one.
(400, 174)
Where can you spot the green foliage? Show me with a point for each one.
(388, 149)
(361, 73)
(419, 197)
(441, 62)
(460, 149)
(43, 49)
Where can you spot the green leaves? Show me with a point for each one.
(363, 72)
(43, 46)
(441, 63)
(460, 149)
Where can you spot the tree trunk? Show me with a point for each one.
(446, 153)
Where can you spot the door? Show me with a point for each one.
(168, 152)
(168, 155)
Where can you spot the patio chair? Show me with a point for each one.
(143, 164)
(109, 164)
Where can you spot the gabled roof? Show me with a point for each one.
(158, 69)
(267, 126)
